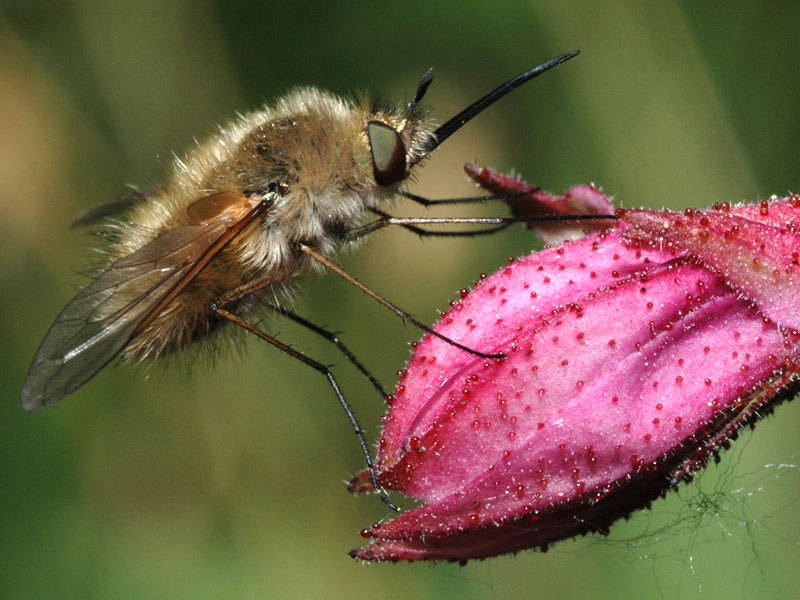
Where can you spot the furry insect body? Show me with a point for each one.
(309, 158)
(272, 195)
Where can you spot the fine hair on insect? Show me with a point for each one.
(273, 195)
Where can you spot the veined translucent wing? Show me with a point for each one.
(99, 322)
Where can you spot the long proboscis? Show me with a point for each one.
(454, 124)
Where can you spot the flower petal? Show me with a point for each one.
(522, 295)
(755, 248)
(607, 415)
(580, 199)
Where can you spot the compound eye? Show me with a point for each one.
(388, 153)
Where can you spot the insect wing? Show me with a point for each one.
(108, 207)
(97, 323)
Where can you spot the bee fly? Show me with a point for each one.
(273, 194)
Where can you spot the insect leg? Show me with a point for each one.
(334, 339)
(469, 199)
(398, 311)
(244, 290)
(264, 282)
(504, 221)
(430, 233)
(318, 366)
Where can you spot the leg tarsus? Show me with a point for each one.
(396, 310)
(321, 368)
(334, 339)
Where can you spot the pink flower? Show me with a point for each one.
(633, 356)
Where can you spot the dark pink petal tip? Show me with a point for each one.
(632, 358)
(579, 200)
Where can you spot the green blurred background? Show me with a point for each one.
(228, 481)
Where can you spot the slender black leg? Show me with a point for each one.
(468, 200)
(358, 232)
(396, 310)
(319, 367)
(432, 233)
(265, 282)
(334, 339)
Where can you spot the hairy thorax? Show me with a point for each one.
(309, 159)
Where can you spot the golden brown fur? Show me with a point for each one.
(315, 147)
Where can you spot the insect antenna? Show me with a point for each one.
(422, 87)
